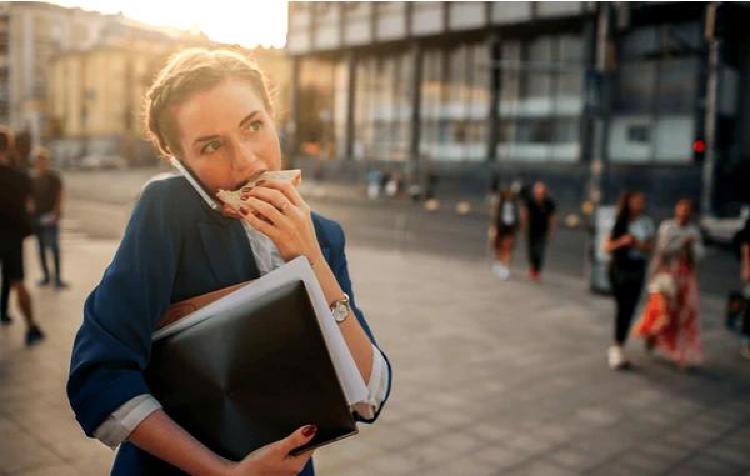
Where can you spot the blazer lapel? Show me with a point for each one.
(228, 252)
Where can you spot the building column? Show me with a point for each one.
(495, 85)
(292, 122)
(599, 165)
(351, 80)
(416, 103)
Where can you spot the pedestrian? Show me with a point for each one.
(540, 220)
(209, 111)
(15, 225)
(48, 196)
(669, 322)
(503, 227)
(629, 243)
(742, 241)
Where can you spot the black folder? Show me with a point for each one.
(248, 377)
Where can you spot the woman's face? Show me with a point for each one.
(226, 135)
(683, 210)
(636, 203)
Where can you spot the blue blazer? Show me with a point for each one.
(175, 247)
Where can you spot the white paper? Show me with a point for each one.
(299, 268)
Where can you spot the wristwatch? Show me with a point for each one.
(340, 309)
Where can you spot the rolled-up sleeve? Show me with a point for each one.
(380, 380)
(112, 346)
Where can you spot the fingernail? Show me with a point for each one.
(309, 430)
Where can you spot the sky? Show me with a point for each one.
(245, 22)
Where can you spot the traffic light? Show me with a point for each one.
(699, 150)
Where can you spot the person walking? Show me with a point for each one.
(629, 244)
(505, 222)
(670, 319)
(48, 194)
(743, 244)
(540, 220)
(15, 225)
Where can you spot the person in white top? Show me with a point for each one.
(503, 227)
(670, 319)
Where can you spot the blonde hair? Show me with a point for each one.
(186, 73)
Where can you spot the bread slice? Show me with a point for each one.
(232, 197)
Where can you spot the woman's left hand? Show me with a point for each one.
(277, 210)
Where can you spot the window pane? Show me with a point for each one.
(534, 130)
(640, 42)
(677, 85)
(538, 73)
(636, 87)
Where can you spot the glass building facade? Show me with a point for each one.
(656, 93)
(565, 92)
(383, 107)
(540, 98)
(455, 99)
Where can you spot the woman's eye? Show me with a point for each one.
(255, 126)
(210, 147)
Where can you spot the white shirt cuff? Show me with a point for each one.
(377, 387)
(121, 423)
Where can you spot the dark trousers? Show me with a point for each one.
(48, 238)
(536, 245)
(627, 284)
(4, 294)
(746, 320)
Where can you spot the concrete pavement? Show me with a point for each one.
(491, 377)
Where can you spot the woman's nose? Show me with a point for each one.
(246, 161)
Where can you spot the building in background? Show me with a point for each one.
(96, 94)
(96, 99)
(31, 34)
(592, 97)
(75, 80)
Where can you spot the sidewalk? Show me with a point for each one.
(490, 378)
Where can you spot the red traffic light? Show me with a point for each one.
(699, 146)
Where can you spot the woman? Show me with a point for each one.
(503, 232)
(212, 112)
(629, 243)
(742, 240)
(670, 318)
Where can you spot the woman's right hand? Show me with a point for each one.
(274, 459)
(627, 240)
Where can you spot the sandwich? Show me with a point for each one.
(232, 197)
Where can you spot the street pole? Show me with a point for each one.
(710, 111)
(599, 163)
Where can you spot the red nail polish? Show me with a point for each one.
(309, 430)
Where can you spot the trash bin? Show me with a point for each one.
(598, 262)
(374, 180)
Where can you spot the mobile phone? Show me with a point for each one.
(194, 182)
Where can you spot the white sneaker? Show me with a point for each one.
(615, 357)
(496, 267)
(501, 271)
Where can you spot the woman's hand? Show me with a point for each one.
(277, 210)
(274, 459)
(627, 240)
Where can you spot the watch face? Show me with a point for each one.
(340, 312)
